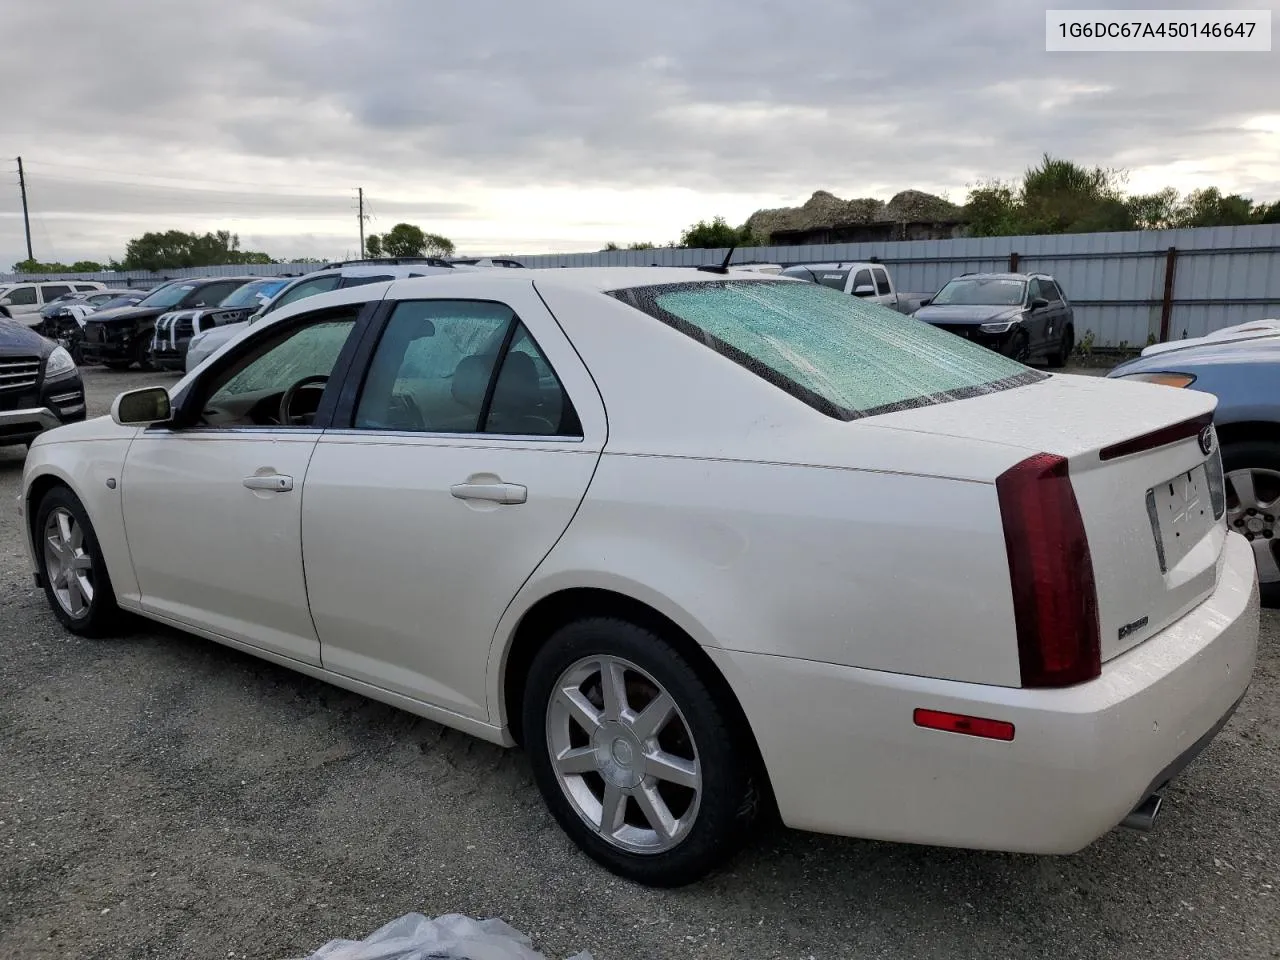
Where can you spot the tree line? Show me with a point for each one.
(176, 250)
(1055, 196)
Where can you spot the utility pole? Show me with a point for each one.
(359, 193)
(26, 217)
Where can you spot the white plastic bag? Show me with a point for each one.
(450, 937)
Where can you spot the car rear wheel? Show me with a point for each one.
(635, 755)
(1059, 357)
(76, 582)
(1252, 470)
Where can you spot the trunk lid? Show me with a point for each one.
(1150, 496)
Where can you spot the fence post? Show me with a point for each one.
(1013, 262)
(1166, 307)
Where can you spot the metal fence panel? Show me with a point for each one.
(1116, 281)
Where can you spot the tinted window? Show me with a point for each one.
(882, 283)
(167, 296)
(126, 301)
(21, 296)
(432, 367)
(252, 294)
(361, 281)
(434, 371)
(85, 286)
(528, 397)
(844, 357)
(1050, 291)
(863, 279)
(52, 291)
(212, 294)
(306, 288)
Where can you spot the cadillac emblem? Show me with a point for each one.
(1206, 440)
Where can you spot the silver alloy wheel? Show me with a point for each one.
(68, 565)
(624, 755)
(1253, 507)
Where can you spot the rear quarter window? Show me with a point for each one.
(847, 358)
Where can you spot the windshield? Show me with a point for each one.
(126, 301)
(167, 296)
(253, 294)
(843, 356)
(982, 291)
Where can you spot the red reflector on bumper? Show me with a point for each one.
(959, 723)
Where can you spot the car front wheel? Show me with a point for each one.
(75, 577)
(1252, 470)
(637, 758)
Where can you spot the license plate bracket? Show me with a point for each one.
(1181, 514)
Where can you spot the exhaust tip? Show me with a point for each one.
(1143, 816)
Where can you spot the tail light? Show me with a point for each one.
(1055, 600)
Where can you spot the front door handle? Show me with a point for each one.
(493, 492)
(275, 482)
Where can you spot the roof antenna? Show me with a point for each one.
(723, 267)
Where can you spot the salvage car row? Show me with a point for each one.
(637, 520)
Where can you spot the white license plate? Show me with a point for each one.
(1181, 514)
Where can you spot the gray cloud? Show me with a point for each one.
(302, 99)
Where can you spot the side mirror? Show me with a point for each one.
(864, 290)
(926, 301)
(137, 408)
(1039, 303)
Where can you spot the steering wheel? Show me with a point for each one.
(286, 401)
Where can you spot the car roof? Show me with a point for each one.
(600, 279)
(1002, 275)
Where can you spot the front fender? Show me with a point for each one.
(85, 467)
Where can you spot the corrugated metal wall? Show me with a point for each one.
(1222, 275)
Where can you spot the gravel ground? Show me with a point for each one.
(161, 796)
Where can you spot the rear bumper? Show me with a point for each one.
(844, 756)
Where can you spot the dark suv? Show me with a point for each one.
(40, 387)
(121, 337)
(1025, 316)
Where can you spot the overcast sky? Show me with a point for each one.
(565, 124)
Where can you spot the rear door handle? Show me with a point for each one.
(493, 492)
(274, 481)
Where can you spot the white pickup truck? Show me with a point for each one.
(867, 281)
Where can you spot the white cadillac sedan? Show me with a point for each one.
(711, 545)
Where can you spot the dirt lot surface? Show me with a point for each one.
(162, 796)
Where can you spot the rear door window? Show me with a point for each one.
(882, 282)
(845, 357)
(52, 291)
(362, 280)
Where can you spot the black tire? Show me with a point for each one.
(1255, 455)
(101, 616)
(1059, 357)
(730, 799)
(142, 354)
(1019, 347)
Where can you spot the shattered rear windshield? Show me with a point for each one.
(841, 355)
